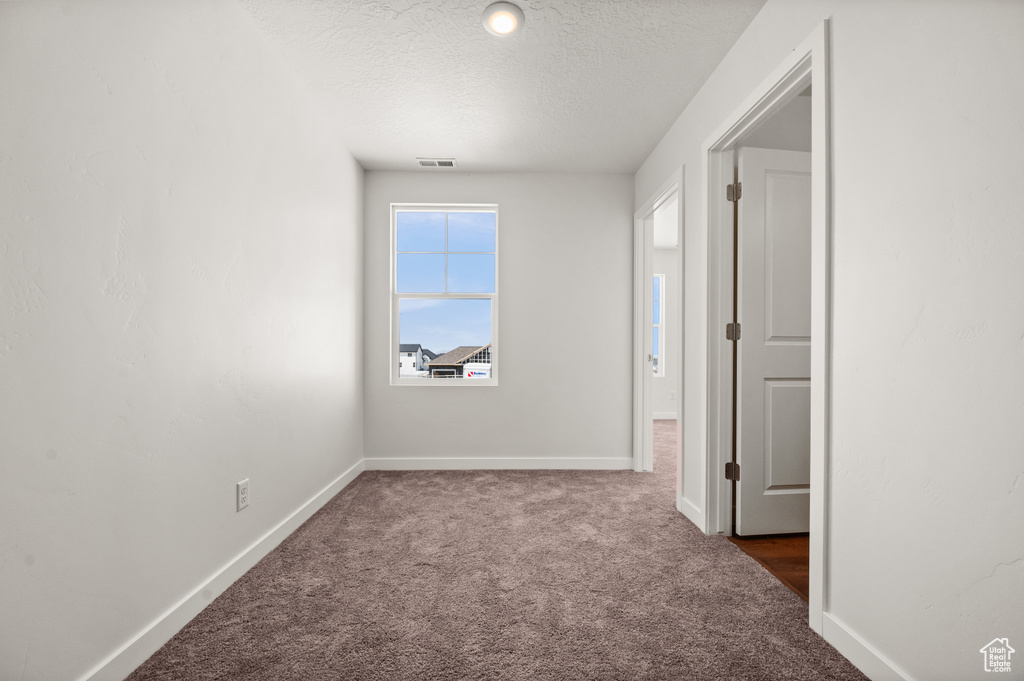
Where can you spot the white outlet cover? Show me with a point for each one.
(242, 494)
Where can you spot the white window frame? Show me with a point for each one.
(659, 371)
(394, 359)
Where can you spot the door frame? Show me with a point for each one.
(808, 64)
(643, 271)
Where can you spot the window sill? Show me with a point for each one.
(445, 383)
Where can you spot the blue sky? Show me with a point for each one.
(425, 231)
(439, 252)
(443, 325)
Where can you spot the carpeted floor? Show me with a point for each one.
(504, 575)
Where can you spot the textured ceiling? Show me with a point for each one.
(583, 86)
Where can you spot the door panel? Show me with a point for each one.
(774, 361)
(787, 259)
(787, 420)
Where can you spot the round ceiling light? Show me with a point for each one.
(503, 18)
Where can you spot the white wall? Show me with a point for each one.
(927, 506)
(180, 308)
(565, 250)
(666, 387)
(666, 223)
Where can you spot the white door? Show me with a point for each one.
(774, 364)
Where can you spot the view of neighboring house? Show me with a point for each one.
(465, 361)
(412, 359)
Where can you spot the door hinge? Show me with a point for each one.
(733, 192)
(732, 471)
(732, 331)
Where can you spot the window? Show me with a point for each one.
(659, 313)
(444, 292)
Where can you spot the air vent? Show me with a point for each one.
(436, 162)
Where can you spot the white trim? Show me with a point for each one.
(643, 403)
(478, 463)
(694, 514)
(864, 657)
(666, 416)
(141, 647)
(660, 371)
(807, 64)
(673, 185)
(680, 308)
(719, 171)
(643, 263)
(821, 319)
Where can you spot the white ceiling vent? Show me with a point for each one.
(436, 162)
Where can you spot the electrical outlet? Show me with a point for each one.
(242, 494)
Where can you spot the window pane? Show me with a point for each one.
(657, 288)
(420, 231)
(656, 330)
(657, 311)
(470, 273)
(471, 232)
(420, 273)
(456, 331)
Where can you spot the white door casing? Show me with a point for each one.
(643, 378)
(774, 309)
(648, 372)
(807, 64)
(643, 299)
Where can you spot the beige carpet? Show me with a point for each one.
(553, 575)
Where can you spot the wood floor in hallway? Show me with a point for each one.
(787, 556)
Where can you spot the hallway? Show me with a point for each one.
(503, 575)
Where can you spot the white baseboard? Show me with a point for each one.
(875, 666)
(493, 464)
(665, 415)
(123, 661)
(693, 514)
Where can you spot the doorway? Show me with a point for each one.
(657, 318)
(803, 72)
(772, 359)
(771, 348)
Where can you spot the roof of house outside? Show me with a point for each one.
(458, 355)
(430, 354)
(408, 347)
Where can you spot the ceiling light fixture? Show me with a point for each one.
(503, 18)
